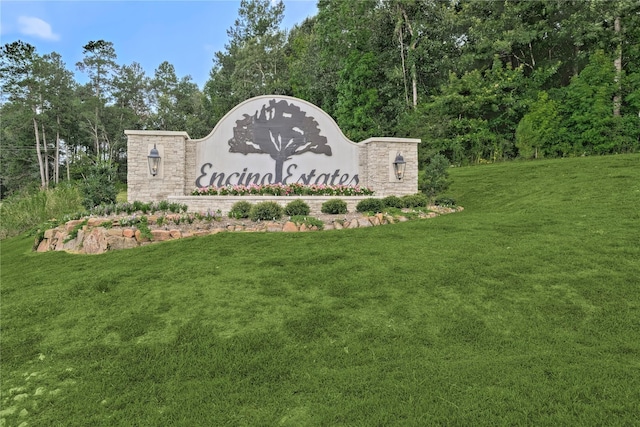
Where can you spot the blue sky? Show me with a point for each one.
(185, 33)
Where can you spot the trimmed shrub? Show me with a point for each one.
(418, 200)
(393, 202)
(297, 208)
(370, 205)
(334, 207)
(240, 209)
(265, 211)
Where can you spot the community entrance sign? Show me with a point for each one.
(276, 139)
(265, 140)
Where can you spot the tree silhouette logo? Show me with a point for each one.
(281, 130)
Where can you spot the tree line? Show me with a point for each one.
(477, 81)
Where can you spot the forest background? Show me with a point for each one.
(478, 81)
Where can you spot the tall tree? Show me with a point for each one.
(99, 64)
(60, 93)
(253, 62)
(22, 79)
(177, 104)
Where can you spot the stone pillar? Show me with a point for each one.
(172, 173)
(376, 165)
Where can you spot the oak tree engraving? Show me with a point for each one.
(281, 130)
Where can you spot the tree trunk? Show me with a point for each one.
(68, 156)
(39, 153)
(46, 158)
(95, 133)
(404, 68)
(412, 48)
(56, 160)
(414, 86)
(617, 99)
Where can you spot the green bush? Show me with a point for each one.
(393, 202)
(297, 207)
(240, 209)
(370, 205)
(436, 176)
(334, 207)
(418, 200)
(98, 186)
(264, 211)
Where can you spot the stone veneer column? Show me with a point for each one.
(376, 165)
(171, 179)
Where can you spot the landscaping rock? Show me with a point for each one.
(289, 227)
(94, 238)
(96, 241)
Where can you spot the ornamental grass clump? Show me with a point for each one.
(265, 211)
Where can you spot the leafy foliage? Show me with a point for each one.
(99, 186)
(240, 209)
(334, 207)
(297, 208)
(436, 176)
(393, 202)
(419, 200)
(370, 205)
(264, 211)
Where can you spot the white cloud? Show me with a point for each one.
(33, 26)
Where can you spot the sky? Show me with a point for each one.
(184, 33)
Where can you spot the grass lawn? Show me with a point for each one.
(524, 309)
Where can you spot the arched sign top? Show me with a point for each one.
(276, 139)
(251, 106)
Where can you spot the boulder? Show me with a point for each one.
(119, 242)
(161, 235)
(289, 227)
(95, 241)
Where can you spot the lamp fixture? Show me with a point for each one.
(154, 160)
(399, 165)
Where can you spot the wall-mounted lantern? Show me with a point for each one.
(398, 166)
(154, 160)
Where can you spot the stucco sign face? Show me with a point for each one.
(276, 139)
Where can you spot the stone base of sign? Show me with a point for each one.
(99, 235)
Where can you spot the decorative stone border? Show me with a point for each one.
(99, 235)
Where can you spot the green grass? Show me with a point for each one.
(522, 310)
